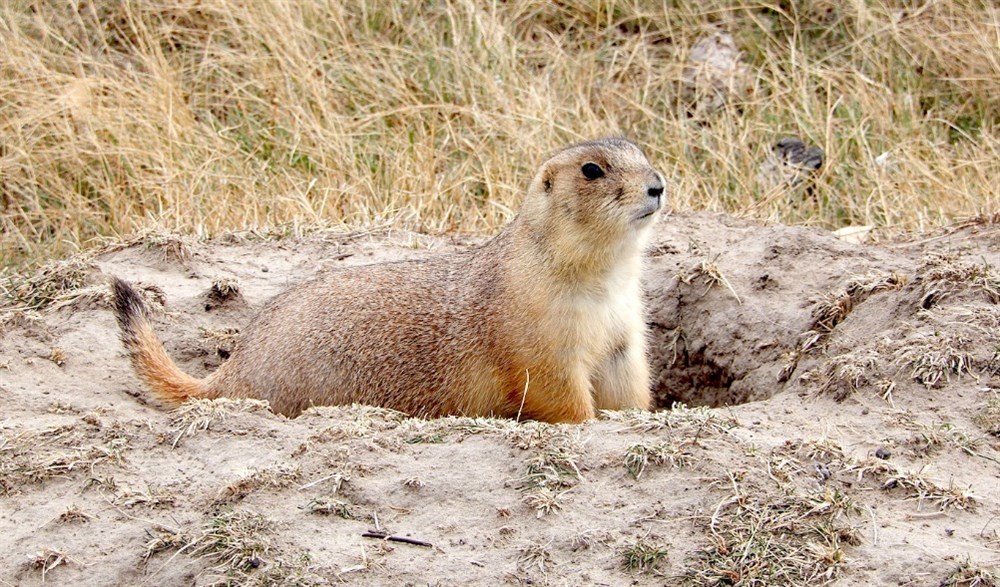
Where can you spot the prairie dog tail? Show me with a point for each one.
(149, 358)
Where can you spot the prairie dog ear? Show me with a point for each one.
(547, 180)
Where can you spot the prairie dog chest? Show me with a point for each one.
(591, 322)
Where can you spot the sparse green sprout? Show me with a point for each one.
(329, 505)
(644, 556)
(946, 434)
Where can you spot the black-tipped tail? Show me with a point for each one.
(146, 352)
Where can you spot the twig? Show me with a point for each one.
(871, 512)
(403, 539)
(322, 479)
(527, 379)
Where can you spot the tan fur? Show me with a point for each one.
(548, 313)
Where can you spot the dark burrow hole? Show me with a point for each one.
(692, 380)
(689, 377)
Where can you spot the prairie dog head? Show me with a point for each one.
(601, 191)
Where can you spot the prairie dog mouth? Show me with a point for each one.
(654, 200)
(650, 208)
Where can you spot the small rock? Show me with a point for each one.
(882, 453)
(790, 164)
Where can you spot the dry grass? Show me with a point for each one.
(275, 477)
(969, 575)
(989, 417)
(640, 455)
(913, 485)
(200, 414)
(48, 559)
(552, 471)
(150, 496)
(60, 452)
(700, 421)
(239, 543)
(833, 307)
(330, 505)
(235, 540)
(847, 373)
(931, 360)
(759, 538)
(205, 116)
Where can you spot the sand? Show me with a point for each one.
(839, 425)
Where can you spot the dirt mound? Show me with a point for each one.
(848, 434)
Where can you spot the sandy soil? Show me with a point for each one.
(849, 433)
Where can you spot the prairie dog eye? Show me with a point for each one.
(592, 170)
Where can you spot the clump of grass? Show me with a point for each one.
(544, 499)
(224, 132)
(758, 538)
(151, 496)
(552, 471)
(276, 476)
(224, 290)
(40, 288)
(639, 456)
(47, 560)
(970, 575)
(172, 246)
(914, 486)
(534, 555)
(848, 373)
(236, 540)
(74, 515)
(329, 505)
(945, 274)
(201, 414)
(711, 274)
(554, 465)
(932, 438)
(643, 555)
(933, 359)
(161, 539)
(239, 544)
(703, 420)
(989, 417)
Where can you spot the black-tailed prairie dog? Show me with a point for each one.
(544, 321)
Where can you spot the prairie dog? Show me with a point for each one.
(544, 321)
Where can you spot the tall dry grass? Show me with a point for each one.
(207, 115)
